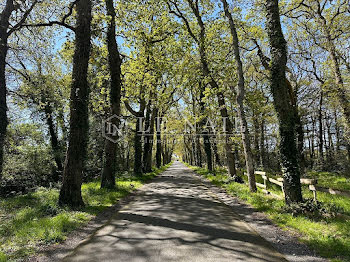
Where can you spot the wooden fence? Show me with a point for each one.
(312, 183)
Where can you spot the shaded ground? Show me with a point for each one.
(176, 218)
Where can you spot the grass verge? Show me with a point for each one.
(35, 219)
(331, 180)
(328, 236)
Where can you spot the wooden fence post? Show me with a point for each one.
(281, 179)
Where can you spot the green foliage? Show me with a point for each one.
(331, 180)
(161, 64)
(3, 257)
(310, 208)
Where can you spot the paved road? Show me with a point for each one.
(176, 218)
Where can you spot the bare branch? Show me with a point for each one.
(61, 23)
(51, 23)
(24, 17)
(180, 15)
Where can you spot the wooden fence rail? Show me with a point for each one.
(312, 183)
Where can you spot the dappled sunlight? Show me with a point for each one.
(176, 218)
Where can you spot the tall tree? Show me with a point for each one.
(240, 100)
(265, 61)
(70, 193)
(114, 62)
(5, 33)
(283, 104)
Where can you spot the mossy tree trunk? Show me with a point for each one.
(283, 104)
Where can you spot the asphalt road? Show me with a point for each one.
(176, 218)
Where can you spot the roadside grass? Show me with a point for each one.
(35, 219)
(328, 236)
(331, 180)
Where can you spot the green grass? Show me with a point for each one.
(331, 180)
(329, 236)
(36, 219)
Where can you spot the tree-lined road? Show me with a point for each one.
(176, 218)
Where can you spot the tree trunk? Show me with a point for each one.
(320, 126)
(148, 146)
(127, 166)
(330, 152)
(298, 127)
(138, 148)
(240, 102)
(114, 63)
(313, 120)
(196, 145)
(262, 143)
(309, 143)
(193, 150)
(230, 157)
(216, 153)
(207, 149)
(164, 146)
(4, 25)
(63, 127)
(206, 135)
(283, 105)
(56, 149)
(300, 139)
(159, 141)
(256, 141)
(70, 193)
(138, 167)
(198, 153)
(337, 131)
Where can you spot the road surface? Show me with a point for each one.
(175, 218)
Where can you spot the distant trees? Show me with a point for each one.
(330, 27)
(43, 91)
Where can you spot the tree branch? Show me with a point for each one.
(180, 15)
(61, 23)
(21, 22)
